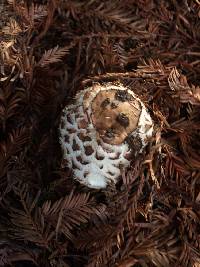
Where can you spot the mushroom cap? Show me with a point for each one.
(98, 133)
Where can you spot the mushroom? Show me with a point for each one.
(98, 133)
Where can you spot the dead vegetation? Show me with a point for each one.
(49, 50)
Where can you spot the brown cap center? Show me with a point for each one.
(115, 114)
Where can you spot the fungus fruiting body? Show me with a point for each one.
(99, 132)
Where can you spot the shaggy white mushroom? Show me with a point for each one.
(99, 132)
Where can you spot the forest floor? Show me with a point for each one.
(49, 51)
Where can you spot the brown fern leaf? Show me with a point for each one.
(17, 139)
(12, 28)
(14, 144)
(176, 166)
(132, 205)
(10, 104)
(94, 237)
(52, 56)
(114, 13)
(28, 223)
(70, 212)
(122, 55)
(188, 228)
(40, 11)
(102, 250)
(130, 262)
(179, 84)
(30, 14)
(103, 240)
(101, 257)
(189, 256)
(153, 67)
(159, 248)
(12, 252)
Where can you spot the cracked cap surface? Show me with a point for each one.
(115, 114)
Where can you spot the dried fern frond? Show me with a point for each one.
(159, 250)
(40, 12)
(107, 13)
(12, 28)
(31, 14)
(187, 94)
(70, 212)
(189, 256)
(28, 223)
(153, 67)
(13, 145)
(12, 252)
(10, 104)
(52, 56)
